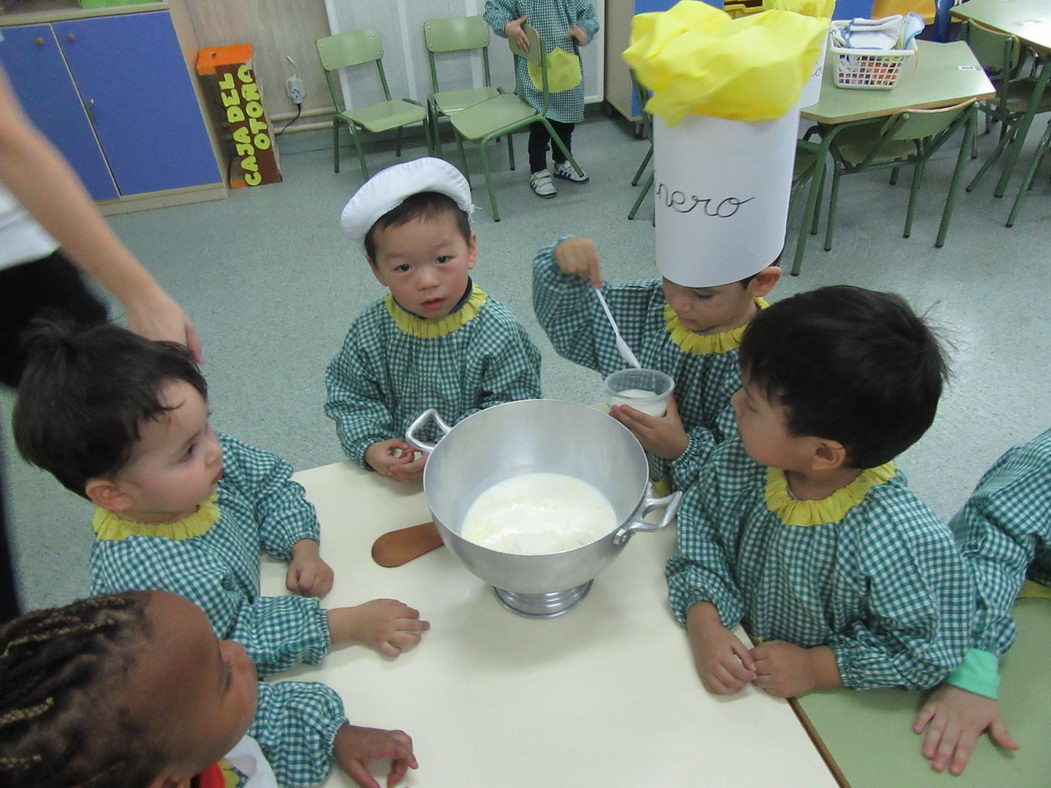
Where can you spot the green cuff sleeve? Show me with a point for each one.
(979, 673)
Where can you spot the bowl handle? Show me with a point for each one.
(671, 505)
(410, 433)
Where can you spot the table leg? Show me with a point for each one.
(1023, 127)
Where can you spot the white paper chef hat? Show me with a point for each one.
(721, 196)
(389, 188)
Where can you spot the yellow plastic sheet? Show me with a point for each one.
(819, 9)
(695, 59)
(563, 71)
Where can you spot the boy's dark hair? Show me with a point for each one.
(65, 716)
(85, 393)
(848, 364)
(422, 205)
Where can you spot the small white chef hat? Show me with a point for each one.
(388, 189)
(721, 196)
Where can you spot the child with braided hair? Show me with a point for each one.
(134, 690)
(123, 421)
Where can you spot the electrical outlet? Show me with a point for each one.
(294, 85)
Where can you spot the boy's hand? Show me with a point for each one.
(788, 671)
(307, 574)
(660, 435)
(579, 257)
(515, 32)
(954, 719)
(386, 625)
(722, 661)
(354, 747)
(396, 460)
(579, 34)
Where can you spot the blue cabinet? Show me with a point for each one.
(113, 94)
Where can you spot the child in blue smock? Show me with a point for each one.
(436, 340)
(133, 689)
(123, 421)
(1004, 531)
(691, 333)
(803, 529)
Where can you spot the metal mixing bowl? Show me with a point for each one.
(538, 436)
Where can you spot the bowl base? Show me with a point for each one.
(542, 605)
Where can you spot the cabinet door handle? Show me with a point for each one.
(70, 37)
(38, 41)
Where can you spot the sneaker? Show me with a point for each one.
(565, 170)
(540, 182)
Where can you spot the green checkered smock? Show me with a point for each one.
(385, 376)
(295, 724)
(1004, 530)
(884, 587)
(571, 315)
(260, 508)
(552, 20)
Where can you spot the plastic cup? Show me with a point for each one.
(646, 390)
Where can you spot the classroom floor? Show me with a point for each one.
(273, 285)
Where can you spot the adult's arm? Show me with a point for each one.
(35, 173)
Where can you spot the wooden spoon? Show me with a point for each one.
(401, 546)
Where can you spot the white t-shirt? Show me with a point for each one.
(248, 759)
(21, 238)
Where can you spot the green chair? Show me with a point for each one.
(805, 171)
(356, 48)
(455, 35)
(504, 114)
(1041, 150)
(907, 139)
(642, 96)
(1002, 58)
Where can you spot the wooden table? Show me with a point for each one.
(1030, 22)
(940, 75)
(601, 697)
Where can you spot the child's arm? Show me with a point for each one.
(503, 363)
(721, 659)
(789, 671)
(952, 719)
(570, 314)
(918, 599)
(356, 746)
(356, 399)
(386, 625)
(586, 22)
(499, 13)
(277, 632)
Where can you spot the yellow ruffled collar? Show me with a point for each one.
(111, 527)
(432, 329)
(692, 342)
(828, 510)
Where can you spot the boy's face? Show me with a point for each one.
(177, 461)
(709, 310)
(201, 691)
(764, 431)
(425, 263)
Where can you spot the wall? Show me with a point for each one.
(275, 28)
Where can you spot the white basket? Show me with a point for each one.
(867, 69)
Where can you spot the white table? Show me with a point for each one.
(605, 695)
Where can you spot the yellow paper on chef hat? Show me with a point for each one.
(819, 9)
(563, 71)
(696, 60)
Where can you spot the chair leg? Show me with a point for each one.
(642, 167)
(361, 151)
(643, 194)
(1003, 143)
(1027, 184)
(489, 179)
(810, 215)
(510, 148)
(561, 145)
(831, 222)
(917, 178)
(894, 176)
(397, 150)
(817, 203)
(970, 132)
(335, 145)
(463, 157)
